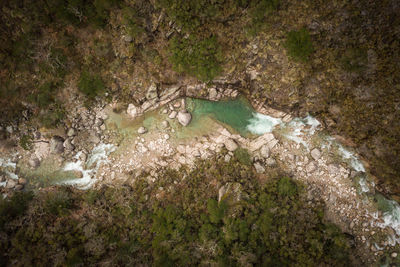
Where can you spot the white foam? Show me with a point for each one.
(261, 124)
(391, 219)
(96, 158)
(10, 168)
(355, 163)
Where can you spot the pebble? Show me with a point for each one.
(165, 124)
(166, 136)
(394, 255)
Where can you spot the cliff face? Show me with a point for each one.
(343, 69)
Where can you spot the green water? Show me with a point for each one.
(235, 113)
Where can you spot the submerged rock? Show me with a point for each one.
(142, 130)
(56, 144)
(184, 117)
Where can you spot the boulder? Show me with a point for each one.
(19, 187)
(56, 144)
(212, 93)
(152, 92)
(315, 154)
(311, 167)
(142, 130)
(262, 140)
(68, 145)
(22, 181)
(184, 117)
(259, 168)
(264, 151)
(164, 124)
(132, 111)
(71, 132)
(11, 183)
(230, 144)
(173, 114)
(270, 162)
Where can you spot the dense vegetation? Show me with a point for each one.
(177, 221)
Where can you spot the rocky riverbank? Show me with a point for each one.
(297, 146)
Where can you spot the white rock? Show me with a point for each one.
(259, 168)
(394, 255)
(166, 136)
(56, 144)
(311, 167)
(71, 132)
(270, 162)
(152, 92)
(264, 151)
(227, 158)
(230, 144)
(184, 117)
(132, 111)
(165, 124)
(173, 114)
(316, 154)
(142, 130)
(212, 93)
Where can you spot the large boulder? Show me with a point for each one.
(230, 144)
(56, 144)
(184, 117)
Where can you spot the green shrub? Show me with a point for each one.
(91, 84)
(299, 45)
(259, 12)
(45, 95)
(58, 203)
(52, 117)
(191, 14)
(14, 206)
(243, 156)
(287, 187)
(354, 59)
(26, 142)
(196, 57)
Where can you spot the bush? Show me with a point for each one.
(91, 85)
(299, 45)
(190, 14)
(52, 117)
(58, 203)
(354, 60)
(26, 142)
(259, 11)
(13, 207)
(243, 156)
(199, 58)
